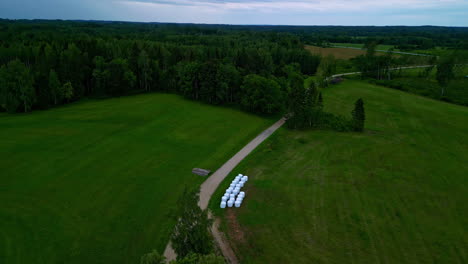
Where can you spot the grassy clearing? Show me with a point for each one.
(411, 80)
(95, 182)
(395, 194)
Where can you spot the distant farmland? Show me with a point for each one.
(394, 194)
(339, 53)
(96, 181)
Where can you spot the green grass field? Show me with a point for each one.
(411, 80)
(395, 194)
(97, 181)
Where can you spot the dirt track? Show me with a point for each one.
(211, 184)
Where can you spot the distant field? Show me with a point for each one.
(395, 194)
(95, 182)
(360, 46)
(339, 53)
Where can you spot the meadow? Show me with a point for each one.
(393, 194)
(413, 81)
(97, 181)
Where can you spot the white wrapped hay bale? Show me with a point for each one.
(223, 204)
(224, 198)
(241, 184)
(238, 203)
(242, 194)
(230, 203)
(236, 191)
(232, 196)
(245, 178)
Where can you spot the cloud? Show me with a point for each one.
(295, 12)
(301, 5)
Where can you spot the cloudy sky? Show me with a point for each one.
(296, 12)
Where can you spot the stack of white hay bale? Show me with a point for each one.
(233, 195)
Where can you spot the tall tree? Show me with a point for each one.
(191, 233)
(55, 86)
(297, 101)
(100, 75)
(325, 70)
(16, 84)
(145, 71)
(445, 72)
(121, 78)
(358, 115)
(261, 95)
(72, 67)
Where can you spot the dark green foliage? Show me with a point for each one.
(297, 102)
(153, 258)
(445, 72)
(374, 66)
(16, 87)
(112, 59)
(107, 59)
(200, 259)
(359, 116)
(320, 101)
(326, 69)
(261, 95)
(306, 109)
(191, 233)
(121, 78)
(66, 92)
(54, 87)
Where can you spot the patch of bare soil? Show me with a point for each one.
(235, 230)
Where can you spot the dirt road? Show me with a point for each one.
(211, 184)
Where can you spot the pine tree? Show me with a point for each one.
(359, 116)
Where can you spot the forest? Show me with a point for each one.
(52, 63)
(48, 63)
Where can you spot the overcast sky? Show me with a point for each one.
(297, 12)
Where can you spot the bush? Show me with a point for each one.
(152, 258)
(191, 233)
(200, 259)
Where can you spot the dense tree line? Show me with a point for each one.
(48, 63)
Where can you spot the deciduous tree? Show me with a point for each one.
(191, 233)
(16, 84)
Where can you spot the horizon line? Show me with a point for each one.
(221, 24)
